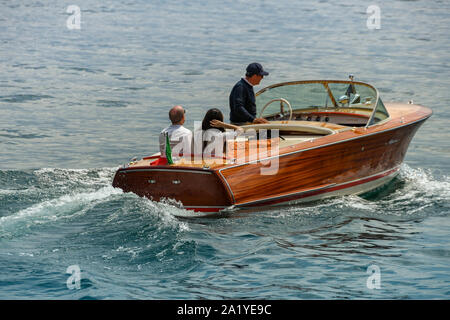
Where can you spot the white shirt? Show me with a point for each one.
(215, 140)
(180, 140)
(248, 82)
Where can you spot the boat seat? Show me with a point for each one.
(298, 126)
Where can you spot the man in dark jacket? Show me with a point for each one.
(242, 96)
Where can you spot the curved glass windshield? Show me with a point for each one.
(349, 97)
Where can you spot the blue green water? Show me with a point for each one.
(76, 104)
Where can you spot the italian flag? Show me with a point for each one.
(168, 150)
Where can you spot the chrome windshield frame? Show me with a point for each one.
(330, 94)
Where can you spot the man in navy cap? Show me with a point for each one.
(242, 96)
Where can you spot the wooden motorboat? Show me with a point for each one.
(329, 138)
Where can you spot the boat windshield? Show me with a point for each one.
(321, 96)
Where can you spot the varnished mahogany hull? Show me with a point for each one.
(323, 170)
(348, 162)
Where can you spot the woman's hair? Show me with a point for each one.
(212, 114)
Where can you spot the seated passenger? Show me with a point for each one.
(180, 138)
(213, 132)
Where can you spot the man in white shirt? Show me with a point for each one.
(180, 138)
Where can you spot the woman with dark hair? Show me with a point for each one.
(213, 130)
(213, 114)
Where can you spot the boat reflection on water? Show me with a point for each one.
(329, 138)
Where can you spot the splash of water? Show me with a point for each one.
(414, 193)
(68, 205)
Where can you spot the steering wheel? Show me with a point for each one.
(281, 107)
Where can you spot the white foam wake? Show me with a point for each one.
(68, 205)
(419, 193)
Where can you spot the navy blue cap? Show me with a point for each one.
(256, 68)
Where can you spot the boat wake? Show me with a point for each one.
(66, 206)
(414, 193)
(33, 198)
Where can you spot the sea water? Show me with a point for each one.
(76, 103)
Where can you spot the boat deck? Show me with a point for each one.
(291, 134)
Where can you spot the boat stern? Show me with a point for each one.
(196, 189)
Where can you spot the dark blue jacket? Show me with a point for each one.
(242, 103)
